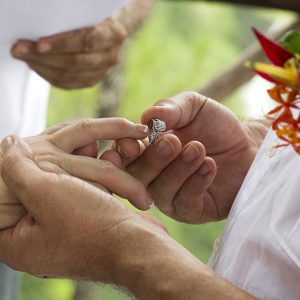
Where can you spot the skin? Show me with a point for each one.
(54, 151)
(83, 57)
(73, 230)
(195, 170)
(75, 59)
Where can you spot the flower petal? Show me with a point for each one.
(275, 52)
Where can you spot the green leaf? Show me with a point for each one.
(291, 42)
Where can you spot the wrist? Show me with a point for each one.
(151, 265)
(256, 130)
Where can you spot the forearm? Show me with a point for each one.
(153, 266)
(134, 14)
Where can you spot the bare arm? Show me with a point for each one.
(153, 266)
(100, 239)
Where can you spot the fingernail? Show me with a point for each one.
(204, 169)
(142, 128)
(44, 47)
(150, 202)
(21, 49)
(164, 148)
(7, 143)
(189, 154)
(152, 205)
(122, 152)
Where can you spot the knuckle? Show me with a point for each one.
(83, 124)
(124, 123)
(121, 34)
(49, 167)
(195, 98)
(92, 40)
(105, 169)
(119, 31)
(9, 163)
(164, 101)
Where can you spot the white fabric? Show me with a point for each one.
(23, 94)
(260, 247)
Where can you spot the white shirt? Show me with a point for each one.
(260, 247)
(23, 94)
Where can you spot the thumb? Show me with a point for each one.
(177, 111)
(19, 172)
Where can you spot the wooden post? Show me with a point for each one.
(236, 74)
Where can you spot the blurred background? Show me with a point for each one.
(181, 47)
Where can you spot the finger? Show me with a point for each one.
(108, 175)
(87, 131)
(165, 187)
(193, 204)
(177, 111)
(92, 39)
(155, 158)
(91, 150)
(23, 48)
(113, 157)
(72, 62)
(69, 79)
(20, 173)
(129, 150)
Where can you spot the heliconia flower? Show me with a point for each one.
(284, 75)
(275, 52)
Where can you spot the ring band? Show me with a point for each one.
(157, 127)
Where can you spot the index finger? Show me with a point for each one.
(87, 131)
(91, 39)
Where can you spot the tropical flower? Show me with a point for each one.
(284, 72)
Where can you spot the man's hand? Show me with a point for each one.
(73, 230)
(196, 183)
(75, 59)
(54, 150)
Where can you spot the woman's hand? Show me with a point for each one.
(53, 151)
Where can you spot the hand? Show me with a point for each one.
(75, 59)
(66, 219)
(196, 183)
(75, 231)
(53, 152)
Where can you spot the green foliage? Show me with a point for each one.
(291, 42)
(182, 46)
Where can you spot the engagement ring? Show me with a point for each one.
(157, 127)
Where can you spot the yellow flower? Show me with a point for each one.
(287, 75)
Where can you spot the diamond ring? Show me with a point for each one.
(157, 127)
